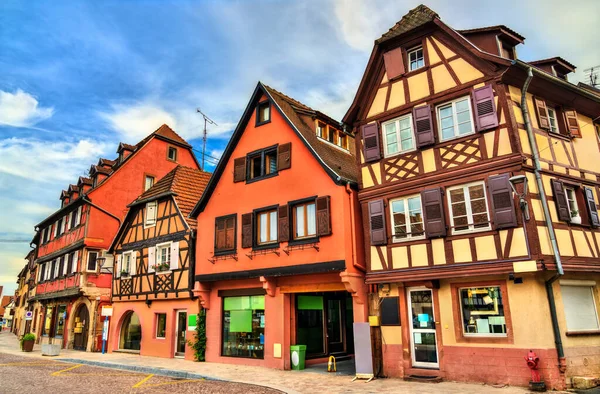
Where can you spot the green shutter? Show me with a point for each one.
(240, 321)
(310, 302)
(192, 320)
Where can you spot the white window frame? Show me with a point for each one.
(552, 117)
(470, 222)
(396, 121)
(462, 317)
(172, 149)
(268, 213)
(150, 223)
(88, 259)
(146, 177)
(454, 118)
(409, 237)
(156, 331)
(158, 258)
(572, 202)
(130, 255)
(414, 51)
(590, 284)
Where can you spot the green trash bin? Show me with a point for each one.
(298, 354)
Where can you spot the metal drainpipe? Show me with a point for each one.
(547, 218)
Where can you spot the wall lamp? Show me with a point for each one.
(517, 180)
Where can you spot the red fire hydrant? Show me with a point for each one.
(532, 362)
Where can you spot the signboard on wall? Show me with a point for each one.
(107, 310)
(29, 315)
(105, 330)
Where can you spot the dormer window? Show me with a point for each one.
(321, 130)
(172, 153)
(415, 59)
(149, 182)
(263, 113)
(507, 51)
(332, 135)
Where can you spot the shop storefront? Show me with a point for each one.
(131, 333)
(244, 326)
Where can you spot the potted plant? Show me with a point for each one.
(162, 267)
(575, 218)
(124, 273)
(27, 342)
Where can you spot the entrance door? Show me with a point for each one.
(180, 341)
(80, 329)
(422, 329)
(335, 326)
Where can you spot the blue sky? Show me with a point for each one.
(76, 78)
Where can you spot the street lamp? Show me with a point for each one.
(514, 181)
(101, 262)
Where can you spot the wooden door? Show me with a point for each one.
(80, 330)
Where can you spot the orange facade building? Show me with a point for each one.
(74, 275)
(279, 256)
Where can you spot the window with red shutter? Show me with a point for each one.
(423, 126)
(572, 123)
(542, 113)
(371, 148)
(433, 209)
(394, 63)
(377, 222)
(503, 208)
(560, 198)
(485, 108)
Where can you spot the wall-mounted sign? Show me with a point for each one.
(29, 315)
(107, 310)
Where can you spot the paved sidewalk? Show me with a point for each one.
(292, 382)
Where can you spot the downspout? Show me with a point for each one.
(557, 260)
(351, 200)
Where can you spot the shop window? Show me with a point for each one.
(468, 208)
(263, 113)
(580, 306)
(61, 315)
(416, 59)
(305, 220)
(91, 261)
(266, 231)
(150, 214)
(455, 119)
(148, 182)
(161, 325)
(310, 323)
(172, 153)
(262, 164)
(225, 234)
(398, 136)
(482, 311)
(47, 322)
(407, 218)
(131, 333)
(244, 326)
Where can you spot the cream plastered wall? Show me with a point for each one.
(529, 312)
(391, 335)
(418, 84)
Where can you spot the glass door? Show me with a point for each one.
(180, 339)
(335, 323)
(422, 330)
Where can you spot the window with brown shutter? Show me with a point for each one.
(304, 220)
(423, 126)
(262, 164)
(370, 136)
(591, 207)
(247, 230)
(542, 113)
(284, 224)
(225, 234)
(572, 124)
(323, 216)
(394, 63)
(239, 169)
(560, 198)
(377, 222)
(284, 156)
(485, 108)
(503, 208)
(433, 208)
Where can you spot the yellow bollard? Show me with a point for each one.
(331, 367)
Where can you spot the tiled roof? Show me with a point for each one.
(416, 17)
(165, 132)
(589, 88)
(85, 181)
(556, 59)
(492, 28)
(186, 183)
(123, 145)
(107, 162)
(342, 163)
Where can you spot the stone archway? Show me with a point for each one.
(71, 323)
(82, 327)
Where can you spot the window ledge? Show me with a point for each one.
(163, 272)
(582, 333)
(260, 178)
(303, 241)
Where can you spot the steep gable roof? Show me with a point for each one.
(165, 132)
(416, 17)
(340, 166)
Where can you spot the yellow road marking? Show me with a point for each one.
(66, 369)
(174, 382)
(141, 382)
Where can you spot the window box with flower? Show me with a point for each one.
(162, 267)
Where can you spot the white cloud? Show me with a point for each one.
(137, 121)
(21, 109)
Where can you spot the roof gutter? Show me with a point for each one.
(547, 218)
(102, 209)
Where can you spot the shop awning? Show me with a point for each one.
(58, 294)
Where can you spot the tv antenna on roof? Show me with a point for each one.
(206, 120)
(591, 75)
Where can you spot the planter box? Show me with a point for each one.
(50, 350)
(28, 345)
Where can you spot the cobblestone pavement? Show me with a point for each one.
(292, 382)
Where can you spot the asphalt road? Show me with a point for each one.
(25, 375)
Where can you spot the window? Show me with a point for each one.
(573, 208)
(468, 208)
(321, 130)
(482, 311)
(53, 270)
(150, 214)
(91, 261)
(263, 113)
(47, 321)
(552, 120)
(42, 272)
(507, 51)
(163, 254)
(161, 325)
(131, 332)
(59, 227)
(398, 136)
(74, 216)
(61, 266)
(415, 59)
(407, 218)
(332, 135)
(579, 305)
(60, 320)
(126, 264)
(305, 220)
(172, 153)
(149, 182)
(266, 227)
(225, 234)
(343, 141)
(262, 164)
(455, 119)
(244, 326)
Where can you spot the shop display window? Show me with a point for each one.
(244, 326)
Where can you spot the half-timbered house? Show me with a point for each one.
(74, 271)
(154, 271)
(279, 257)
(462, 265)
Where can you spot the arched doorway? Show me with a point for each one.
(131, 332)
(80, 330)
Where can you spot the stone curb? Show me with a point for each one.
(148, 370)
